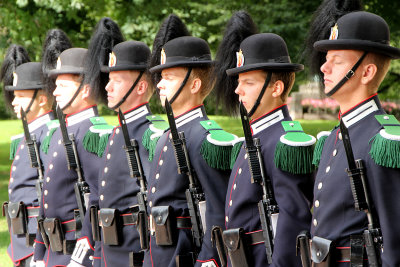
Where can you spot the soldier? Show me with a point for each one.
(263, 74)
(185, 64)
(128, 90)
(354, 54)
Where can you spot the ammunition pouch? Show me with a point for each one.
(218, 243)
(53, 229)
(109, 222)
(94, 221)
(136, 259)
(237, 250)
(303, 248)
(142, 228)
(30, 239)
(18, 217)
(186, 260)
(43, 232)
(162, 223)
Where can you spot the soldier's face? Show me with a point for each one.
(249, 87)
(338, 63)
(171, 80)
(118, 85)
(22, 98)
(66, 86)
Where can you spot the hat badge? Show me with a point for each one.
(58, 63)
(239, 59)
(15, 79)
(163, 57)
(334, 32)
(113, 60)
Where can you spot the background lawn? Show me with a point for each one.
(13, 127)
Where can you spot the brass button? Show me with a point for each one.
(101, 197)
(108, 156)
(165, 148)
(316, 204)
(334, 152)
(328, 169)
(319, 185)
(315, 222)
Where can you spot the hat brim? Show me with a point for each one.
(123, 67)
(287, 67)
(31, 87)
(188, 63)
(355, 44)
(65, 70)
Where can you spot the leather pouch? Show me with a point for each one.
(233, 239)
(136, 259)
(162, 221)
(18, 217)
(53, 229)
(109, 223)
(94, 221)
(320, 251)
(142, 228)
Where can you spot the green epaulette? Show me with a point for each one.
(51, 128)
(150, 137)
(15, 140)
(319, 146)
(216, 149)
(294, 151)
(235, 150)
(385, 145)
(95, 140)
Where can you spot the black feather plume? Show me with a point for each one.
(15, 56)
(106, 35)
(238, 28)
(171, 28)
(56, 42)
(324, 18)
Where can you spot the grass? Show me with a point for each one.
(13, 127)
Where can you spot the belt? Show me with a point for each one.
(254, 238)
(129, 219)
(32, 211)
(68, 226)
(183, 223)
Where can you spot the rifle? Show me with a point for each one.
(81, 187)
(362, 201)
(267, 207)
(194, 194)
(34, 156)
(131, 148)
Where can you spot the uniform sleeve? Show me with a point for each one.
(384, 184)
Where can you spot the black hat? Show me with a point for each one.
(186, 51)
(266, 51)
(70, 61)
(27, 76)
(129, 55)
(360, 31)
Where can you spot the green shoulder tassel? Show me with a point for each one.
(216, 149)
(52, 127)
(319, 146)
(152, 147)
(15, 140)
(152, 134)
(385, 146)
(235, 151)
(146, 139)
(294, 151)
(95, 140)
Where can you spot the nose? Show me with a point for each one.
(325, 67)
(108, 87)
(160, 85)
(239, 90)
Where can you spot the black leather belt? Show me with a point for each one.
(69, 226)
(129, 218)
(32, 211)
(183, 223)
(253, 238)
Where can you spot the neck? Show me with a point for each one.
(268, 107)
(181, 108)
(127, 105)
(348, 101)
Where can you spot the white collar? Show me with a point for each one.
(189, 116)
(360, 112)
(135, 114)
(267, 121)
(80, 116)
(39, 122)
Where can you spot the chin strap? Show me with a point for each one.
(129, 92)
(181, 87)
(73, 97)
(31, 102)
(348, 75)
(258, 101)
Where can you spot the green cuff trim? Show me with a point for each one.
(235, 151)
(52, 127)
(15, 141)
(319, 146)
(95, 140)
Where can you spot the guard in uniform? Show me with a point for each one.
(356, 56)
(184, 63)
(128, 90)
(264, 75)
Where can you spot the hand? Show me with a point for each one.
(37, 263)
(81, 248)
(208, 264)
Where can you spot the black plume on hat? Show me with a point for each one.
(171, 28)
(324, 18)
(238, 28)
(15, 56)
(106, 35)
(56, 42)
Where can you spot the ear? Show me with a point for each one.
(43, 99)
(142, 87)
(369, 72)
(85, 91)
(196, 86)
(278, 88)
